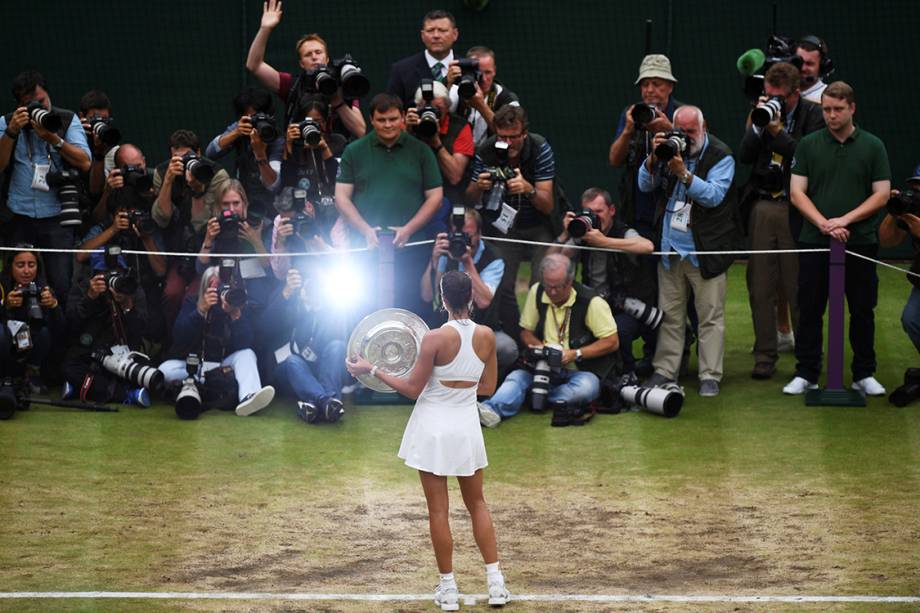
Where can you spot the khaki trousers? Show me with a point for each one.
(709, 298)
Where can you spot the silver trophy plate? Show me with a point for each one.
(390, 339)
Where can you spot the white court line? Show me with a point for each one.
(700, 598)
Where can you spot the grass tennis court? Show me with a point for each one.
(747, 493)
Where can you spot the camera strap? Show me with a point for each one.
(118, 323)
(561, 330)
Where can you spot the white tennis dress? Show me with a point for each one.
(443, 435)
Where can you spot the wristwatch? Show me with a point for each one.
(686, 177)
(58, 145)
(578, 355)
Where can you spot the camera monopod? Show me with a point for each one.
(74, 404)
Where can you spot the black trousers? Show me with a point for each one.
(862, 296)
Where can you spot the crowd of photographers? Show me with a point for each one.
(244, 302)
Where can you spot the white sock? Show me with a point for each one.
(494, 573)
(447, 580)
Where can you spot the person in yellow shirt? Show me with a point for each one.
(560, 312)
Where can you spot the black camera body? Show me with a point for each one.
(49, 120)
(304, 225)
(30, 298)
(310, 133)
(429, 118)
(458, 240)
(584, 221)
(123, 281)
(676, 142)
(643, 114)
(469, 76)
(67, 183)
(102, 127)
(546, 363)
(228, 240)
(201, 169)
(906, 202)
(231, 289)
(343, 72)
(264, 124)
(141, 221)
(136, 176)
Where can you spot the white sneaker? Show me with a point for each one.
(785, 343)
(488, 417)
(869, 387)
(255, 402)
(799, 385)
(448, 598)
(498, 594)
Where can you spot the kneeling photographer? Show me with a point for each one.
(212, 351)
(617, 277)
(903, 219)
(571, 330)
(303, 340)
(463, 249)
(235, 231)
(127, 198)
(106, 318)
(29, 319)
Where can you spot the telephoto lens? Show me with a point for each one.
(665, 401)
(583, 223)
(43, 117)
(767, 111)
(643, 114)
(102, 128)
(201, 169)
(310, 132)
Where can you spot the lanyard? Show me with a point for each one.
(560, 330)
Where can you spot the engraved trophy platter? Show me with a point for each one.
(390, 339)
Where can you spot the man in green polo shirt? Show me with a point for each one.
(390, 180)
(840, 182)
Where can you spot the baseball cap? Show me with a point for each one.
(655, 65)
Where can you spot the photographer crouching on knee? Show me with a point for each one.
(904, 218)
(107, 317)
(212, 348)
(29, 319)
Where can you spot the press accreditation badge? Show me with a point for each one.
(680, 218)
(505, 220)
(40, 177)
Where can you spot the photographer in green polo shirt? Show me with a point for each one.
(840, 182)
(390, 180)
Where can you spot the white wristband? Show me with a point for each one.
(373, 372)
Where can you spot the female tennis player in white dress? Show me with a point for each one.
(443, 437)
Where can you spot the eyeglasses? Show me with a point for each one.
(507, 137)
(555, 288)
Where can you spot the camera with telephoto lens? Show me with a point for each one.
(117, 279)
(201, 169)
(230, 290)
(188, 400)
(545, 362)
(310, 133)
(102, 128)
(67, 184)
(644, 313)
(499, 175)
(264, 124)
(429, 118)
(583, 222)
(676, 142)
(136, 176)
(906, 202)
(643, 114)
(666, 400)
(343, 72)
(769, 110)
(779, 48)
(132, 366)
(458, 240)
(49, 120)
(469, 76)
(30, 298)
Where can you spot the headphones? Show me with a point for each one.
(826, 66)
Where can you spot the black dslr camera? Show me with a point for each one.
(67, 184)
(304, 225)
(643, 114)
(676, 142)
(228, 240)
(119, 280)
(544, 362)
(201, 169)
(779, 48)
(584, 221)
(469, 76)
(30, 298)
(343, 72)
(310, 133)
(103, 128)
(141, 221)
(458, 240)
(230, 289)
(906, 202)
(136, 176)
(429, 118)
(499, 175)
(264, 124)
(768, 111)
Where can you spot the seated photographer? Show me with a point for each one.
(902, 220)
(128, 197)
(344, 116)
(187, 188)
(448, 135)
(482, 96)
(234, 231)
(311, 163)
(106, 320)
(572, 329)
(30, 318)
(217, 328)
(254, 139)
(303, 341)
(617, 277)
(512, 186)
(485, 269)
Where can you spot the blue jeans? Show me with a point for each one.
(313, 382)
(575, 387)
(910, 317)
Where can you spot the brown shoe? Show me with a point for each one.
(763, 370)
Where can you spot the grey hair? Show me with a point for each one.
(555, 261)
(208, 274)
(440, 91)
(689, 108)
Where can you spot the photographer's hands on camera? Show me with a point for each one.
(210, 298)
(592, 238)
(661, 123)
(46, 298)
(515, 186)
(98, 286)
(442, 247)
(20, 119)
(675, 164)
